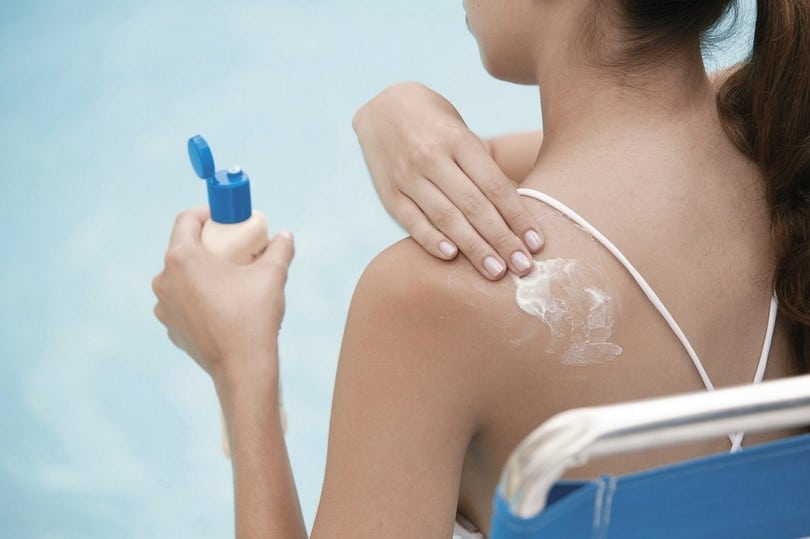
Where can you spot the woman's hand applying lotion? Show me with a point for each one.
(443, 184)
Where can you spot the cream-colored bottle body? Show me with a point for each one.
(240, 243)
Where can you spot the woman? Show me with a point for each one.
(703, 186)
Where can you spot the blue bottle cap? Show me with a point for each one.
(228, 190)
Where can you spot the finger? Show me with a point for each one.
(476, 163)
(421, 230)
(484, 218)
(448, 219)
(160, 313)
(279, 254)
(188, 225)
(283, 247)
(156, 282)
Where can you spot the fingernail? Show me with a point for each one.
(521, 261)
(286, 234)
(533, 240)
(448, 249)
(493, 267)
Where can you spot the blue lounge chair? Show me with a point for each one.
(760, 492)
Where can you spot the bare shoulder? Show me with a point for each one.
(401, 270)
(473, 336)
(448, 305)
(406, 274)
(492, 339)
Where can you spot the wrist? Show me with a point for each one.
(248, 377)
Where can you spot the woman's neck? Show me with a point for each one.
(595, 110)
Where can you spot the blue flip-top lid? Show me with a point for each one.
(228, 190)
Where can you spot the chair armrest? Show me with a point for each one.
(574, 437)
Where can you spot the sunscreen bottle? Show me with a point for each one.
(235, 231)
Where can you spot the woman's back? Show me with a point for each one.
(688, 210)
(636, 141)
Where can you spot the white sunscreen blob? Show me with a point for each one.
(569, 297)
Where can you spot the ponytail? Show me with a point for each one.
(765, 109)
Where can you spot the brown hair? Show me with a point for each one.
(765, 109)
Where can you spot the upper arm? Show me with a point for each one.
(401, 419)
(516, 154)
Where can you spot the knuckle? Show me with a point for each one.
(460, 138)
(400, 171)
(503, 240)
(180, 217)
(499, 189)
(515, 215)
(424, 152)
(409, 220)
(408, 86)
(176, 256)
(157, 284)
(425, 234)
(473, 204)
(358, 120)
(157, 310)
(445, 216)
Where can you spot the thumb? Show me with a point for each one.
(279, 253)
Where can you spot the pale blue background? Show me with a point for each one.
(107, 430)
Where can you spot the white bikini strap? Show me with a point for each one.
(736, 439)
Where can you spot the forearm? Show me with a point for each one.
(265, 495)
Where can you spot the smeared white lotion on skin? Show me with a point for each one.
(569, 297)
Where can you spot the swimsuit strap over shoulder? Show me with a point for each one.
(736, 439)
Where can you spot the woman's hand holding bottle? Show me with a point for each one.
(225, 316)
